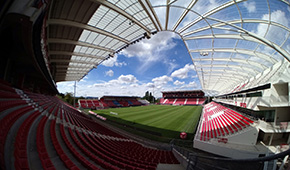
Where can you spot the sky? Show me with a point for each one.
(162, 63)
(158, 64)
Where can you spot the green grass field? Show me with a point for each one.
(156, 120)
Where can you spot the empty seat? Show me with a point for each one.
(221, 121)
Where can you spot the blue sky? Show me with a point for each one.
(161, 63)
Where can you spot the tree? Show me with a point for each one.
(148, 96)
(69, 98)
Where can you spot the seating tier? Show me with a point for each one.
(219, 121)
(77, 140)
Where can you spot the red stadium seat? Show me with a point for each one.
(221, 121)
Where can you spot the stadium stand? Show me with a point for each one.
(113, 101)
(195, 97)
(83, 103)
(192, 101)
(73, 134)
(221, 121)
(143, 102)
(240, 51)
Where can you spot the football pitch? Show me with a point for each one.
(157, 120)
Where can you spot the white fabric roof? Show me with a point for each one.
(229, 41)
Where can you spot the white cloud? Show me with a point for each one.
(251, 6)
(134, 85)
(127, 79)
(170, 64)
(183, 72)
(151, 50)
(66, 86)
(276, 16)
(148, 47)
(150, 85)
(194, 76)
(200, 8)
(178, 83)
(274, 34)
(162, 80)
(192, 85)
(123, 79)
(116, 88)
(109, 73)
(97, 85)
(113, 61)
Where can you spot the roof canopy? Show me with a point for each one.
(228, 41)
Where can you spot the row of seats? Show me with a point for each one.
(218, 121)
(20, 146)
(183, 101)
(78, 141)
(42, 151)
(88, 103)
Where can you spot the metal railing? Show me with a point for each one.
(197, 161)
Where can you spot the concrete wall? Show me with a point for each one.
(283, 114)
(224, 151)
(249, 137)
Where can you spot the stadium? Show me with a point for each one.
(238, 119)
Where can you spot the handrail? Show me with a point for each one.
(188, 155)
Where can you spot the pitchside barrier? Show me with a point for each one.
(196, 161)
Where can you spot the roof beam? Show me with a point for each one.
(224, 86)
(75, 54)
(68, 71)
(122, 12)
(249, 37)
(67, 66)
(239, 51)
(71, 73)
(213, 77)
(215, 81)
(154, 14)
(87, 27)
(68, 78)
(66, 41)
(217, 25)
(172, 2)
(192, 3)
(227, 66)
(224, 36)
(221, 7)
(147, 12)
(233, 72)
(220, 85)
(167, 14)
(72, 68)
(238, 60)
(71, 61)
(259, 38)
